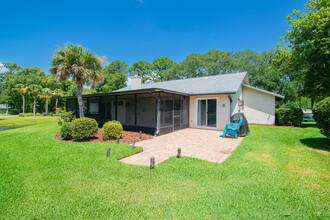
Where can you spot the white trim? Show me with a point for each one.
(264, 91)
(217, 109)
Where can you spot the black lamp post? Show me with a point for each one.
(152, 163)
(108, 152)
(179, 152)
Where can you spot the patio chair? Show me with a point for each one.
(232, 128)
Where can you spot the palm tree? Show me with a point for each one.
(57, 93)
(46, 94)
(21, 89)
(34, 90)
(82, 65)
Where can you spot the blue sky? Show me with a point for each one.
(135, 30)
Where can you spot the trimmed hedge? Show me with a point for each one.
(66, 131)
(321, 114)
(112, 130)
(25, 114)
(290, 116)
(84, 128)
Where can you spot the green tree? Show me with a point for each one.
(218, 62)
(161, 66)
(143, 69)
(46, 94)
(115, 75)
(57, 93)
(21, 90)
(7, 83)
(34, 90)
(304, 50)
(82, 65)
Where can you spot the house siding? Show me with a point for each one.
(259, 107)
(234, 98)
(223, 113)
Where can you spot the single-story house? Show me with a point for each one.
(162, 107)
(3, 108)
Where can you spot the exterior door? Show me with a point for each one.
(207, 113)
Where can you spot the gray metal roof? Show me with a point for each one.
(3, 106)
(218, 84)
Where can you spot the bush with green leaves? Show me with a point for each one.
(66, 131)
(321, 114)
(290, 116)
(64, 116)
(25, 114)
(13, 112)
(112, 130)
(84, 128)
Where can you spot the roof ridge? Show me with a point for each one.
(196, 77)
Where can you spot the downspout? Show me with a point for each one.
(231, 106)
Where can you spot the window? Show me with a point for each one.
(94, 108)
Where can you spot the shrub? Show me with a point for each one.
(321, 114)
(290, 116)
(66, 131)
(112, 130)
(25, 114)
(13, 112)
(64, 116)
(84, 128)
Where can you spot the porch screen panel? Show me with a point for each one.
(166, 110)
(108, 108)
(72, 105)
(125, 109)
(146, 110)
(94, 108)
(184, 112)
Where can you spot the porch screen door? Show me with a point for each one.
(207, 113)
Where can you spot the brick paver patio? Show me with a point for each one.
(198, 143)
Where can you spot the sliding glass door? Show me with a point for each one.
(207, 113)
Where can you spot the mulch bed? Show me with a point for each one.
(128, 137)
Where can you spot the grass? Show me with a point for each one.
(274, 171)
(16, 122)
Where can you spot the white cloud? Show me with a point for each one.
(2, 68)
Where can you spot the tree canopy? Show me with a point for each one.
(305, 49)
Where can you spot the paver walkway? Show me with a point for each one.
(197, 143)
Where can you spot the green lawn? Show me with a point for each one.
(274, 171)
(15, 121)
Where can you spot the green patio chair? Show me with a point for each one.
(232, 128)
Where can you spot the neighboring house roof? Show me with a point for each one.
(3, 106)
(264, 91)
(218, 84)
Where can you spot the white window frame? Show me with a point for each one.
(217, 111)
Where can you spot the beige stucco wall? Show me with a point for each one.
(259, 107)
(223, 113)
(234, 98)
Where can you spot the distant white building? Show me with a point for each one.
(3, 108)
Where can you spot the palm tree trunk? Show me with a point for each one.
(80, 100)
(56, 104)
(23, 104)
(34, 105)
(7, 108)
(46, 106)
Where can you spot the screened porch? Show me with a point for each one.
(138, 111)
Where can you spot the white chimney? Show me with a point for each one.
(136, 82)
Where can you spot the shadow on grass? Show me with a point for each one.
(317, 143)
